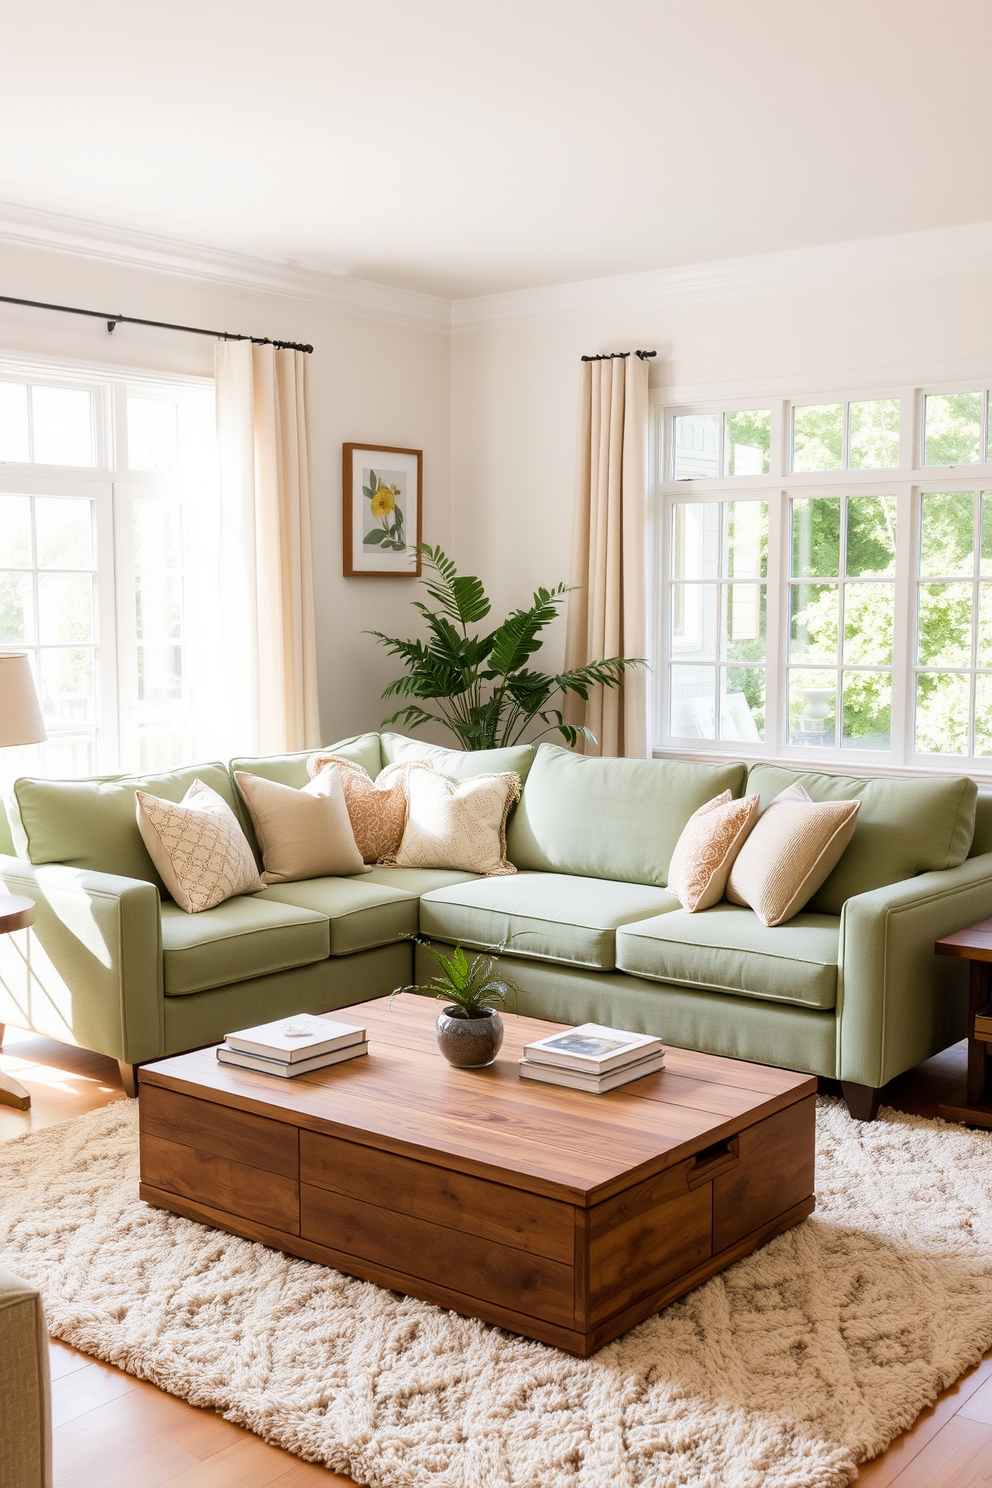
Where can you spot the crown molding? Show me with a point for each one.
(907, 255)
(28, 229)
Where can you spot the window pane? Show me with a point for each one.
(742, 703)
(745, 539)
(65, 607)
(867, 710)
(697, 445)
(747, 442)
(198, 436)
(818, 437)
(63, 426)
(64, 529)
(816, 537)
(16, 608)
(983, 715)
(158, 601)
(869, 614)
(947, 540)
(942, 713)
(160, 676)
(986, 565)
(159, 747)
(692, 702)
(694, 620)
(945, 625)
(874, 435)
(744, 609)
(152, 434)
(15, 531)
(67, 685)
(985, 625)
(14, 422)
(871, 536)
(812, 708)
(953, 429)
(813, 634)
(695, 540)
(157, 535)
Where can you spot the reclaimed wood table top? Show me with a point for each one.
(16, 912)
(973, 944)
(403, 1097)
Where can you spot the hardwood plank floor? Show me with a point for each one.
(113, 1429)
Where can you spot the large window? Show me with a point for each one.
(108, 506)
(825, 589)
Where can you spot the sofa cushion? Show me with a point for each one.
(904, 827)
(418, 881)
(460, 764)
(91, 823)
(610, 818)
(236, 940)
(291, 769)
(361, 914)
(555, 917)
(729, 950)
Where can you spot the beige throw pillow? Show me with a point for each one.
(198, 847)
(302, 833)
(705, 852)
(795, 843)
(457, 824)
(377, 808)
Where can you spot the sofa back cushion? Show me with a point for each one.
(982, 840)
(610, 818)
(291, 769)
(904, 827)
(91, 823)
(459, 764)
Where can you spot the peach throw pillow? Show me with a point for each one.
(198, 847)
(302, 833)
(707, 847)
(795, 843)
(377, 808)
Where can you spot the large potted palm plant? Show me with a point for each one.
(481, 686)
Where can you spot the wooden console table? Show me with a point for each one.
(975, 946)
(16, 913)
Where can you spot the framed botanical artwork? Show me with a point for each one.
(383, 500)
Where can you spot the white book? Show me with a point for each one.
(283, 1067)
(296, 1038)
(592, 1048)
(552, 1074)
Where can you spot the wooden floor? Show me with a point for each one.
(114, 1430)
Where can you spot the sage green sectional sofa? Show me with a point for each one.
(848, 989)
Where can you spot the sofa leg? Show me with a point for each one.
(862, 1100)
(129, 1078)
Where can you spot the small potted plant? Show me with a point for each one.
(469, 1029)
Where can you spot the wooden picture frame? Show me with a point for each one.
(379, 482)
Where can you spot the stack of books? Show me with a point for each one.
(983, 1023)
(293, 1046)
(592, 1058)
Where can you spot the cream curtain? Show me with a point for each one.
(606, 613)
(266, 575)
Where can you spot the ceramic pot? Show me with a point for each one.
(469, 1043)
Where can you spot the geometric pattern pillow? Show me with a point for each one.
(458, 824)
(705, 852)
(198, 847)
(377, 808)
(794, 845)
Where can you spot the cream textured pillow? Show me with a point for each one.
(795, 843)
(302, 833)
(457, 824)
(198, 847)
(705, 852)
(377, 808)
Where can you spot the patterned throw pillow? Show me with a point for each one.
(302, 833)
(795, 843)
(198, 847)
(377, 808)
(457, 824)
(705, 852)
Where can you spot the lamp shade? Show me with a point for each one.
(20, 714)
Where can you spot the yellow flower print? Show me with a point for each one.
(383, 501)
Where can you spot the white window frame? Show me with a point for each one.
(906, 482)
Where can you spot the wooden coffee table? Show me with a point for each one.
(563, 1216)
(975, 946)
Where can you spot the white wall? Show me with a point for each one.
(515, 389)
(371, 381)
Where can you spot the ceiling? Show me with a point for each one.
(465, 148)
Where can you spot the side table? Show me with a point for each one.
(975, 946)
(16, 913)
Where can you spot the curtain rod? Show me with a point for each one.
(161, 325)
(608, 356)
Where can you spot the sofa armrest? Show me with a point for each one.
(25, 1387)
(89, 970)
(899, 1003)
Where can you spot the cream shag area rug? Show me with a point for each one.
(784, 1372)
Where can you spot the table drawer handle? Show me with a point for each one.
(714, 1159)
